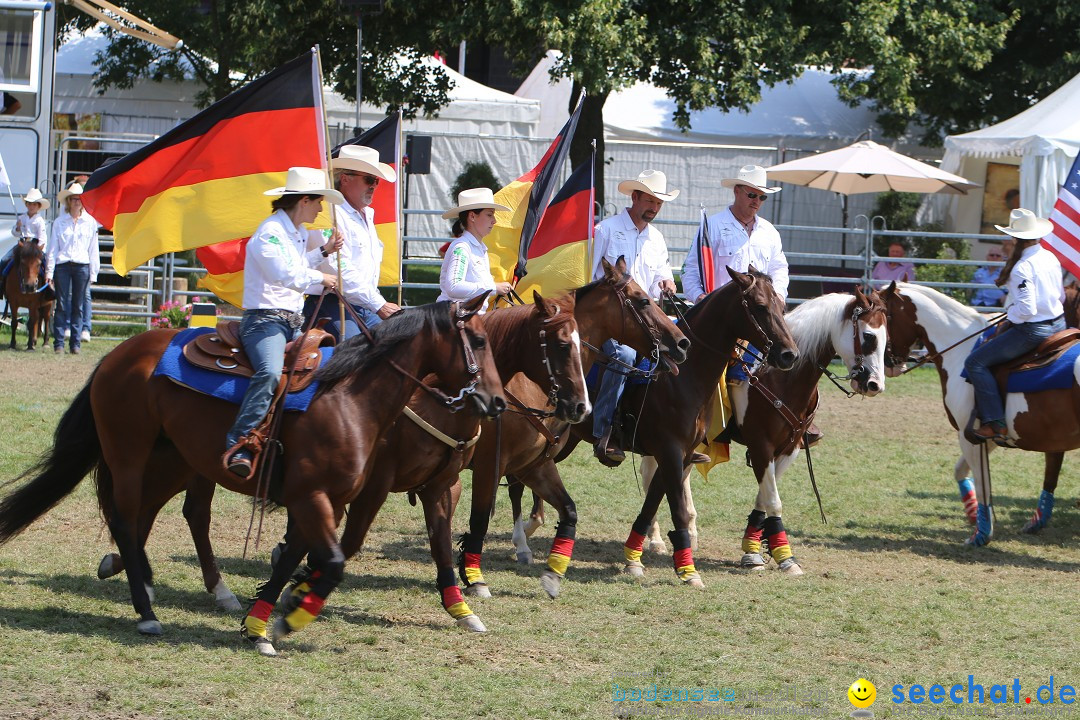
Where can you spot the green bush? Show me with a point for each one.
(475, 175)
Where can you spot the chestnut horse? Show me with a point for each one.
(1047, 421)
(24, 289)
(854, 327)
(137, 428)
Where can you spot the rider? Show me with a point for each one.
(466, 270)
(30, 224)
(357, 172)
(1032, 276)
(630, 235)
(280, 265)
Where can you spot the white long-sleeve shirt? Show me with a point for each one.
(361, 259)
(26, 226)
(466, 270)
(732, 247)
(74, 241)
(645, 252)
(280, 264)
(1035, 287)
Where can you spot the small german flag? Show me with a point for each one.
(202, 183)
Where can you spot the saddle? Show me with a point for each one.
(221, 351)
(1045, 354)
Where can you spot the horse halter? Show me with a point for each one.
(457, 402)
(554, 387)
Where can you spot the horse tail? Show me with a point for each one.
(76, 451)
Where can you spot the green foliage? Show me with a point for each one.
(475, 175)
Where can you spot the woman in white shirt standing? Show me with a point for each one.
(74, 258)
(466, 270)
(280, 263)
(1035, 312)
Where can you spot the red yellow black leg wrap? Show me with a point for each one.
(562, 549)
(683, 557)
(778, 542)
(308, 610)
(469, 566)
(755, 524)
(452, 600)
(257, 617)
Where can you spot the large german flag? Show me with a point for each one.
(559, 253)
(527, 197)
(202, 183)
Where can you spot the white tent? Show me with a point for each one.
(1043, 140)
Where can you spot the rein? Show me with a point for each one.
(892, 360)
(614, 365)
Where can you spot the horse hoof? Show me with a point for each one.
(977, 539)
(550, 581)
(110, 565)
(471, 623)
(693, 580)
(532, 525)
(752, 561)
(262, 644)
(791, 568)
(658, 546)
(149, 627)
(525, 557)
(479, 590)
(634, 570)
(1031, 527)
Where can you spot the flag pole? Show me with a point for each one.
(330, 175)
(591, 234)
(400, 214)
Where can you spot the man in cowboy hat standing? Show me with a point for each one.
(357, 172)
(630, 235)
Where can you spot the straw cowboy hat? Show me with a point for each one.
(1026, 225)
(363, 159)
(650, 182)
(307, 181)
(63, 195)
(35, 196)
(473, 199)
(751, 176)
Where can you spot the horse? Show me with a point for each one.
(772, 414)
(23, 289)
(1046, 421)
(167, 435)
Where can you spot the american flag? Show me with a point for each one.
(1064, 241)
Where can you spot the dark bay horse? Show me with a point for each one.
(673, 411)
(24, 289)
(822, 327)
(139, 431)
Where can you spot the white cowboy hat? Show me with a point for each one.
(751, 176)
(650, 182)
(473, 199)
(363, 159)
(34, 195)
(307, 181)
(75, 189)
(1026, 225)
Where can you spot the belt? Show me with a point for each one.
(294, 320)
(1045, 322)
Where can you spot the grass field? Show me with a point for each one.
(890, 594)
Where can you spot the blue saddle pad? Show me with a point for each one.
(230, 388)
(1058, 375)
(592, 378)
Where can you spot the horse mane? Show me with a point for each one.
(358, 354)
(943, 302)
(504, 327)
(697, 307)
(812, 324)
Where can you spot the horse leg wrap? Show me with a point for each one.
(562, 548)
(755, 524)
(452, 601)
(967, 496)
(683, 556)
(472, 549)
(778, 542)
(984, 526)
(257, 617)
(1042, 514)
(308, 610)
(636, 541)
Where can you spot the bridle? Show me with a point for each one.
(765, 341)
(892, 360)
(610, 363)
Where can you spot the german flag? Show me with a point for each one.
(527, 197)
(705, 255)
(202, 183)
(559, 253)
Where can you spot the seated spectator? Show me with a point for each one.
(888, 270)
(987, 274)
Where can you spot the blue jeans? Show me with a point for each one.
(611, 387)
(329, 310)
(87, 323)
(739, 372)
(1009, 345)
(263, 337)
(71, 280)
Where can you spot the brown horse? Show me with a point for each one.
(772, 413)
(172, 435)
(672, 412)
(25, 290)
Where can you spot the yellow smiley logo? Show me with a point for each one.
(862, 693)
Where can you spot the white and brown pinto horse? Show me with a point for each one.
(1046, 421)
(838, 323)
